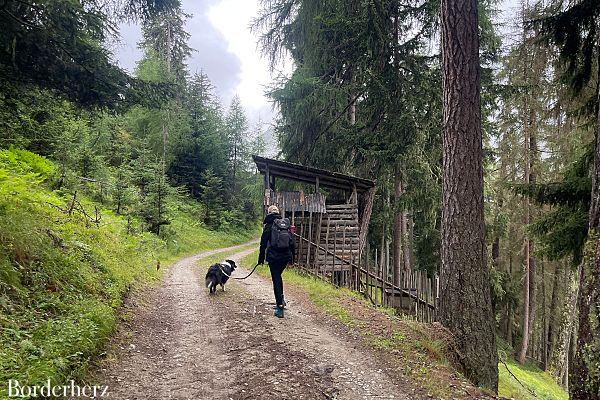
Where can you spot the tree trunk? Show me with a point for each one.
(510, 311)
(466, 307)
(398, 222)
(532, 151)
(530, 145)
(407, 241)
(560, 357)
(234, 167)
(584, 377)
(165, 130)
(551, 335)
(526, 304)
(527, 255)
(408, 244)
(544, 327)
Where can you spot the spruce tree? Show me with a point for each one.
(466, 309)
(574, 30)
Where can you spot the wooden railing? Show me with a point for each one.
(419, 291)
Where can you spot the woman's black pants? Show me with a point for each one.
(276, 271)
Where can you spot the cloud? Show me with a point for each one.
(211, 54)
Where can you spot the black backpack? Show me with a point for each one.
(280, 235)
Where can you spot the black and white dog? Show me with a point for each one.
(218, 274)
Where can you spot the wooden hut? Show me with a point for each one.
(330, 220)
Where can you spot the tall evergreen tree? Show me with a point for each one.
(237, 134)
(574, 29)
(205, 145)
(57, 45)
(166, 38)
(165, 34)
(466, 309)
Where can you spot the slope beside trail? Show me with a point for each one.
(182, 343)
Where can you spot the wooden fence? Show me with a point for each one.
(414, 293)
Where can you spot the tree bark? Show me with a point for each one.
(530, 147)
(510, 312)
(560, 357)
(584, 377)
(407, 240)
(532, 151)
(552, 323)
(398, 223)
(466, 308)
(526, 304)
(544, 327)
(409, 258)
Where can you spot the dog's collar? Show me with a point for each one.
(221, 268)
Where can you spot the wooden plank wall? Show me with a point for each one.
(289, 202)
(337, 231)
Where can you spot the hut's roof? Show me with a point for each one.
(302, 173)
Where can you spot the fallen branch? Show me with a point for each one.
(517, 379)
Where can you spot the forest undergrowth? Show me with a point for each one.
(66, 263)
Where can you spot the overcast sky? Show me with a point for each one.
(226, 50)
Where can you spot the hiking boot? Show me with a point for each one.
(278, 312)
(282, 305)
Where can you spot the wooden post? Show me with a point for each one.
(309, 238)
(387, 270)
(417, 294)
(326, 246)
(401, 285)
(431, 301)
(383, 280)
(267, 177)
(295, 247)
(301, 235)
(267, 189)
(344, 255)
(367, 268)
(437, 295)
(335, 253)
(318, 241)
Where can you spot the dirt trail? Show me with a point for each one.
(187, 344)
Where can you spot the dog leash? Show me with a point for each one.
(251, 272)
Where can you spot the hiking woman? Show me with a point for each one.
(277, 243)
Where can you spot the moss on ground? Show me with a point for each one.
(529, 381)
